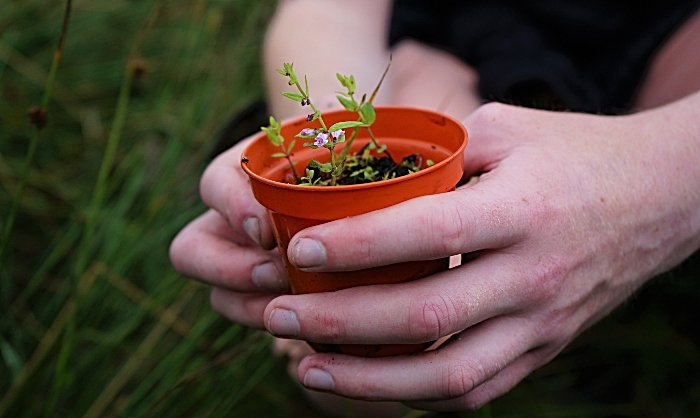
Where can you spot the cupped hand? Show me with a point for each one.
(231, 246)
(570, 215)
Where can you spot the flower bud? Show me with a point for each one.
(37, 116)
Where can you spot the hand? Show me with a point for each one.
(413, 80)
(572, 213)
(231, 246)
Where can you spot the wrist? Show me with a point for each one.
(670, 139)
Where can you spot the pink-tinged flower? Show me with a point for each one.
(337, 134)
(321, 139)
(307, 132)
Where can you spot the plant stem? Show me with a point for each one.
(374, 140)
(303, 93)
(34, 141)
(381, 80)
(348, 143)
(96, 203)
(291, 165)
(333, 176)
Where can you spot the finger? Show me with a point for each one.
(225, 188)
(408, 313)
(483, 216)
(452, 371)
(493, 388)
(204, 249)
(243, 308)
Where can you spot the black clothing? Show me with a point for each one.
(590, 55)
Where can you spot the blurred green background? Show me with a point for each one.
(95, 322)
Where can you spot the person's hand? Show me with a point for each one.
(572, 213)
(414, 81)
(231, 246)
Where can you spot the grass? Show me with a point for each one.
(95, 322)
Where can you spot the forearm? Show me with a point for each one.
(672, 163)
(322, 38)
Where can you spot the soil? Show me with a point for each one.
(363, 168)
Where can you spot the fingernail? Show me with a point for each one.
(318, 379)
(308, 253)
(283, 323)
(251, 226)
(266, 276)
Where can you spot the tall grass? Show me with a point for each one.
(94, 321)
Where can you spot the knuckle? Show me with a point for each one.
(488, 114)
(541, 211)
(224, 276)
(553, 331)
(179, 250)
(431, 319)
(459, 379)
(232, 212)
(544, 281)
(216, 301)
(448, 228)
(206, 182)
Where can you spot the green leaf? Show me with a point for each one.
(294, 96)
(278, 155)
(299, 135)
(273, 122)
(12, 359)
(290, 70)
(345, 125)
(283, 72)
(429, 163)
(306, 83)
(348, 104)
(275, 138)
(291, 145)
(342, 79)
(352, 87)
(325, 168)
(367, 113)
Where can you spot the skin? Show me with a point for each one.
(571, 214)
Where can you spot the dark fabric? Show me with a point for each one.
(589, 54)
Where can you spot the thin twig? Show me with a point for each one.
(376, 89)
(99, 193)
(34, 141)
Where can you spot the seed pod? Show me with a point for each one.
(37, 116)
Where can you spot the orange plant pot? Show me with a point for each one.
(292, 208)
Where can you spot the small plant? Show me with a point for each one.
(372, 163)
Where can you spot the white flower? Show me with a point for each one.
(337, 134)
(321, 139)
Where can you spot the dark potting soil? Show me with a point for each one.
(361, 169)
